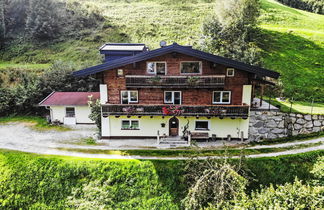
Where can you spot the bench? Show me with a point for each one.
(199, 135)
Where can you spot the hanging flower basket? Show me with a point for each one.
(172, 110)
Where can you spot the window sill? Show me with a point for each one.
(222, 103)
(130, 129)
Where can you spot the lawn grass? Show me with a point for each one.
(6, 65)
(304, 107)
(30, 181)
(35, 122)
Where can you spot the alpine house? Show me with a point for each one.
(174, 91)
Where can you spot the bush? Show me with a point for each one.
(288, 196)
(21, 91)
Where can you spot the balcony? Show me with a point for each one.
(175, 110)
(140, 81)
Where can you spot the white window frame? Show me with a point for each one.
(67, 108)
(202, 121)
(200, 67)
(173, 97)
(130, 123)
(221, 97)
(230, 75)
(155, 62)
(128, 96)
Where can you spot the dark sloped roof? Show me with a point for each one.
(69, 98)
(178, 49)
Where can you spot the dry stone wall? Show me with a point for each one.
(272, 124)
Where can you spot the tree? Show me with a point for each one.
(95, 114)
(2, 23)
(231, 32)
(214, 182)
(43, 19)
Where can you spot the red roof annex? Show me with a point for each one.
(69, 98)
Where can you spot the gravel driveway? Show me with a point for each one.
(18, 136)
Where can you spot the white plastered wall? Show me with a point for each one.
(111, 126)
(246, 96)
(81, 113)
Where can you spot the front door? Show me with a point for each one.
(174, 126)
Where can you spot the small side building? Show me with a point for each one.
(69, 108)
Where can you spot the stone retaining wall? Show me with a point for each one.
(271, 124)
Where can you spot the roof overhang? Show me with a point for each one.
(177, 49)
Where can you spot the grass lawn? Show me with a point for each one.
(6, 65)
(37, 123)
(300, 107)
(30, 181)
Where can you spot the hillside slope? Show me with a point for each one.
(293, 39)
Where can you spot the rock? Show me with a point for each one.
(322, 122)
(253, 130)
(299, 115)
(292, 115)
(309, 124)
(271, 124)
(257, 113)
(258, 124)
(301, 121)
(281, 124)
(297, 127)
(272, 136)
(261, 117)
(263, 131)
(308, 117)
(282, 135)
(295, 133)
(277, 130)
(317, 123)
(278, 119)
(293, 120)
(316, 129)
(315, 117)
(303, 131)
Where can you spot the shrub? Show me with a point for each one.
(288, 196)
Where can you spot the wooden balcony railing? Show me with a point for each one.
(140, 81)
(177, 110)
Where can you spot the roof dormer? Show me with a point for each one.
(114, 51)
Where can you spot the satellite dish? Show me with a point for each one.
(163, 43)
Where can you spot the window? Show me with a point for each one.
(172, 97)
(190, 67)
(230, 72)
(202, 125)
(158, 68)
(130, 125)
(221, 97)
(129, 97)
(69, 112)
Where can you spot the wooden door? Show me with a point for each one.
(173, 126)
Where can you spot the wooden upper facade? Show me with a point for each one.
(176, 74)
(152, 88)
